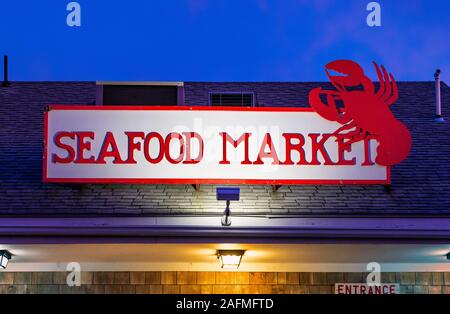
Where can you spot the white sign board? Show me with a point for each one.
(109, 144)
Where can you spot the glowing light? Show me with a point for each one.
(230, 259)
(5, 256)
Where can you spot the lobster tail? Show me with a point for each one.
(394, 146)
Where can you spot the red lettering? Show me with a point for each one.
(393, 289)
(82, 146)
(377, 289)
(319, 146)
(342, 149)
(169, 138)
(77, 147)
(363, 289)
(132, 146)
(294, 147)
(189, 136)
(348, 289)
(114, 152)
(227, 138)
(367, 158)
(69, 149)
(147, 140)
(267, 141)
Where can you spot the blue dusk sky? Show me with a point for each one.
(221, 40)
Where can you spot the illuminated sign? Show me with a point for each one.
(123, 144)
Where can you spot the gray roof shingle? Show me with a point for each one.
(420, 184)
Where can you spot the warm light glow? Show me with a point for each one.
(230, 259)
(4, 258)
(4, 262)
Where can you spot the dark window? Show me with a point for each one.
(140, 95)
(231, 99)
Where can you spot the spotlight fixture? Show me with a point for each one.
(448, 256)
(227, 194)
(230, 259)
(5, 256)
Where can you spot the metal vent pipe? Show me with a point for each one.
(437, 77)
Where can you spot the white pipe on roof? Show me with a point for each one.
(437, 77)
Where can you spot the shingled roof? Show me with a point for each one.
(421, 184)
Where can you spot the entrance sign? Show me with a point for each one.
(123, 144)
(362, 288)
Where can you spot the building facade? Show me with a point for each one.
(164, 238)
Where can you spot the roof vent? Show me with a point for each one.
(140, 93)
(437, 77)
(241, 99)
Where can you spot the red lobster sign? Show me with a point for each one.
(363, 112)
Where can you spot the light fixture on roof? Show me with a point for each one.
(230, 259)
(227, 194)
(5, 256)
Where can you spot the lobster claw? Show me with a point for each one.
(328, 111)
(348, 67)
(354, 74)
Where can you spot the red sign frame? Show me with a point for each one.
(45, 178)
